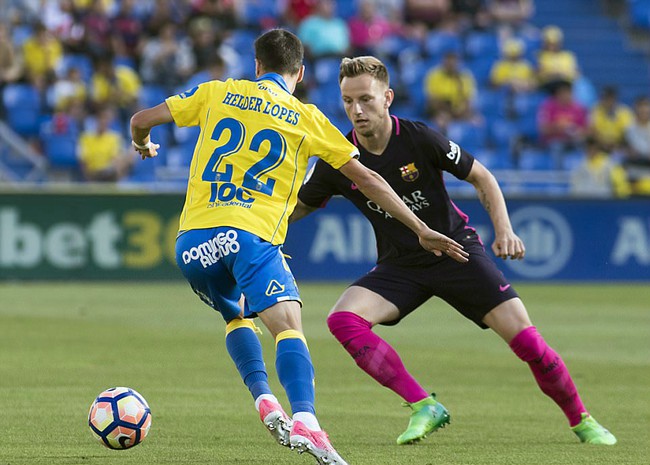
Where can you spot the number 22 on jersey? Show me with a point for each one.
(219, 172)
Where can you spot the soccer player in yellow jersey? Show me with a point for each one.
(248, 165)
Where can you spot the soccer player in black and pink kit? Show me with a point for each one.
(411, 157)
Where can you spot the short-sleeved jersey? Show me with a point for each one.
(251, 155)
(412, 164)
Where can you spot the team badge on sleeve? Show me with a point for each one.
(409, 172)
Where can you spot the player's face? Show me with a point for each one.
(366, 101)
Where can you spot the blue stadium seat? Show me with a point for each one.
(326, 70)
(59, 144)
(79, 61)
(23, 108)
(481, 44)
(242, 39)
(639, 11)
(481, 66)
(328, 99)
(255, 12)
(438, 43)
(503, 133)
(346, 9)
(152, 95)
(533, 159)
(491, 102)
(470, 136)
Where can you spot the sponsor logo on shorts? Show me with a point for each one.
(210, 252)
(274, 287)
(504, 288)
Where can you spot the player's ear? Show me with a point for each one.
(258, 68)
(301, 74)
(390, 96)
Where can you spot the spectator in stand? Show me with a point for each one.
(213, 70)
(323, 34)
(10, 59)
(167, 60)
(450, 91)
(637, 134)
(368, 29)
(297, 10)
(102, 152)
(392, 10)
(42, 55)
(116, 85)
(599, 175)
(637, 160)
(554, 64)
(167, 11)
(427, 12)
(513, 71)
(97, 29)
(563, 123)
(511, 16)
(609, 120)
(68, 89)
(127, 31)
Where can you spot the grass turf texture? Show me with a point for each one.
(62, 344)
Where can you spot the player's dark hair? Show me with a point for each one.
(279, 51)
(353, 67)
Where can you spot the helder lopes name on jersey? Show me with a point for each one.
(259, 105)
(210, 252)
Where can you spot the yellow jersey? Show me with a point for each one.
(252, 152)
(98, 152)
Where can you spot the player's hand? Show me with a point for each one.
(508, 245)
(439, 243)
(149, 150)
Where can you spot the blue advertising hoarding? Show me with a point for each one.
(566, 240)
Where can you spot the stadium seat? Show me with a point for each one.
(639, 11)
(438, 43)
(503, 133)
(327, 98)
(481, 44)
(23, 108)
(481, 66)
(59, 141)
(257, 12)
(326, 70)
(152, 95)
(79, 61)
(491, 102)
(470, 136)
(533, 159)
(241, 39)
(346, 9)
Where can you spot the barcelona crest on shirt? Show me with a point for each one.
(409, 172)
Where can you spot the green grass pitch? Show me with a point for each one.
(62, 344)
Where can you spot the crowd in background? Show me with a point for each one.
(477, 70)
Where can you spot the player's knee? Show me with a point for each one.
(345, 325)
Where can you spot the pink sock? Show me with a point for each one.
(550, 372)
(374, 355)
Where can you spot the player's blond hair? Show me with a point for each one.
(357, 66)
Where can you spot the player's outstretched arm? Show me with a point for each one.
(300, 211)
(506, 243)
(379, 191)
(141, 124)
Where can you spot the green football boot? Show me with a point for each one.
(592, 432)
(428, 416)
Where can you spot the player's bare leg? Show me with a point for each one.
(351, 322)
(296, 373)
(510, 321)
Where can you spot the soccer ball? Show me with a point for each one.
(119, 418)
